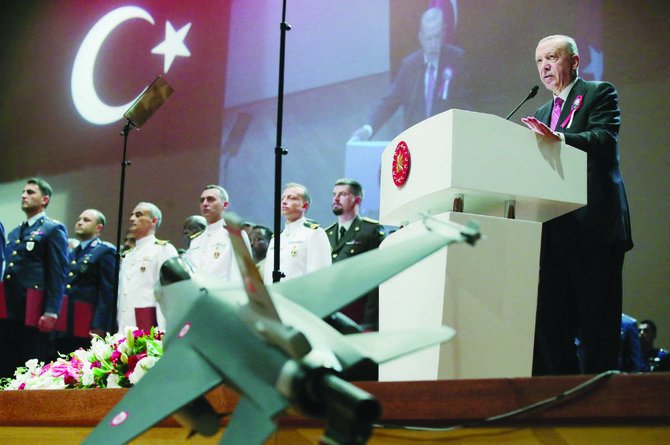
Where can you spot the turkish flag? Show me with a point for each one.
(105, 53)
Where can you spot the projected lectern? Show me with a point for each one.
(466, 166)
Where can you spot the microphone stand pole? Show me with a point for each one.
(279, 150)
(124, 164)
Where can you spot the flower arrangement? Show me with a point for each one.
(116, 361)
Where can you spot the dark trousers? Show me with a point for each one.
(20, 343)
(579, 299)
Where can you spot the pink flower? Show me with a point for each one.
(116, 357)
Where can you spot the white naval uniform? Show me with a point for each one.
(212, 251)
(140, 271)
(304, 248)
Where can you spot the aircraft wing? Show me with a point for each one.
(384, 346)
(248, 425)
(178, 377)
(326, 290)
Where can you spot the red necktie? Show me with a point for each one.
(556, 112)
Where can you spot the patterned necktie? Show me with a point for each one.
(556, 112)
(342, 232)
(430, 88)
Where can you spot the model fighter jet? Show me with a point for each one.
(271, 345)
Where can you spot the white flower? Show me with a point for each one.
(125, 349)
(87, 375)
(34, 366)
(113, 381)
(141, 368)
(101, 350)
(83, 356)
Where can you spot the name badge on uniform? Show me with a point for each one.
(30, 245)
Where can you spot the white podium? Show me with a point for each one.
(488, 292)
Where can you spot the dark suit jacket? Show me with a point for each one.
(407, 90)
(595, 129)
(364, 234)
(35, 259)
(91, 280)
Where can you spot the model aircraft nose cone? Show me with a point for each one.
(176, 269)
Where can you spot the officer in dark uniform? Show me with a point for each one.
(349, 236)
(34, 281)
(90, 286)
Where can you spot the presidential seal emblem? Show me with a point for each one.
(401, 164)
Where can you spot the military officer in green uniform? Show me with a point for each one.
(349, 236)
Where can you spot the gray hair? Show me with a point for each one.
(154, 212)
(569, 45)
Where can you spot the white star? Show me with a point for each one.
(173, 45)
(596, 65)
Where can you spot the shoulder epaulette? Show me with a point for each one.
(123, 254)
(197, 234)
(370, 220)
(108, 244)
(161, 242)
(332, 226)
(311, 224)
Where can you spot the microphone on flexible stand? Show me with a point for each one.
(533, 92)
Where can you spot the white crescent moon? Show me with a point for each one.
(85, 98)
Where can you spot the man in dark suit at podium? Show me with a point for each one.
(580, 291)
(34, 280)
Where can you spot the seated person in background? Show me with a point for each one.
(656, 359)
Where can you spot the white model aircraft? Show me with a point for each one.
(271, 345)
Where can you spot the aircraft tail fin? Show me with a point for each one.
(259, 297)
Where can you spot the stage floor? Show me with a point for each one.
(616, 409)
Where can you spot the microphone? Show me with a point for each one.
(533, 92)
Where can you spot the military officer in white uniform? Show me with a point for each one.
(140, 271)
(304, 245)
(211, 250)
